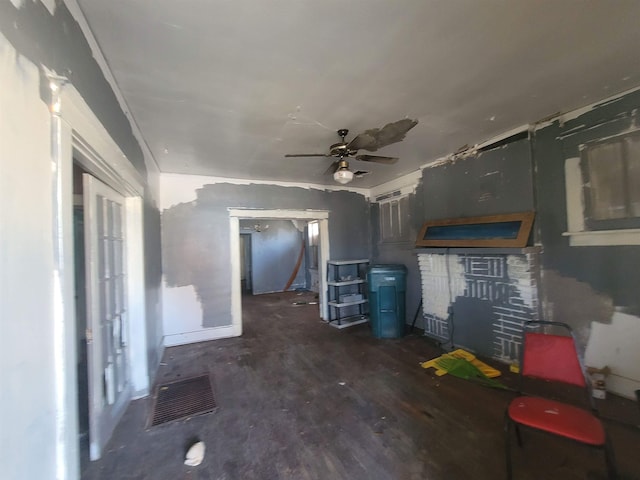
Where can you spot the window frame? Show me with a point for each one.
(579, 232)
(313, 238)
(593, 224)
(523, 220)
(395, 226)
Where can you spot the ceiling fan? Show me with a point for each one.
(370, 140)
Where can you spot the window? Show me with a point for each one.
(506, 230)
(603, 192)
(611, 175)
(394, 219)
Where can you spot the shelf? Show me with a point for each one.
(346, 262)
(349, 321)
(345, 282)
(333, 303)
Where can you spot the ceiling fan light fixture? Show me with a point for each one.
(370, 140)
(343, 175)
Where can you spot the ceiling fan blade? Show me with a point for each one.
(376, 138)
(307, 155)
(377, 159)
(332, 168)
(363, 141)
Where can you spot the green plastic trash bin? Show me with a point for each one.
(386, 286)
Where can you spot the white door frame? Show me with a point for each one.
(235, 214)
(75, 128)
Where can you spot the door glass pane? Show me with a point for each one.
(102, 300)
(106, 342)
(117, 220)
(117, 260)
(100, 215)
(110, 384)
(106, 301)
(114, 303)
(119, 354)
(116, 335)
(119, 281)
(103, 389)
(105, 254)
(110, 224)
(100, 207)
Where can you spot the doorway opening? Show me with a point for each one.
(100, 247)
(79, 138)
(274, 259)
(276, 238)
(272, 255)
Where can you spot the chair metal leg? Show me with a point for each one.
(518, 435)
(610, 460)
(507, 445)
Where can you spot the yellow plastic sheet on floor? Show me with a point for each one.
(488, 371)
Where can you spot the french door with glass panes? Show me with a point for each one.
(108, 328)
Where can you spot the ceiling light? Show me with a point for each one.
(343, 174)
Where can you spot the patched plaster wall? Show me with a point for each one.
(29, 400)
(498, 180)
(52, 38)
(478, 298)
(56, 41)
(196, 242)
(593, 288)
(38, 37)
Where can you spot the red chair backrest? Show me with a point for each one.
(552, 357)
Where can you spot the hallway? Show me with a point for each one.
(298, 399)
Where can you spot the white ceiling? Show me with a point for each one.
(227, 87)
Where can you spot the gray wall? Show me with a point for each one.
(58, 43)
(153, 285)
(403, 252)
(491, 182)
(498, 180)
(593, 288)
(274, 253)
(582, 284)
(195, 236)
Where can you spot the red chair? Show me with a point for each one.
(554, 358)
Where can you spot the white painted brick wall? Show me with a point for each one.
(507, 281)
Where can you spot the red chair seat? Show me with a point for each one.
(557, 418)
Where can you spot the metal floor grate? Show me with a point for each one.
(181, 399)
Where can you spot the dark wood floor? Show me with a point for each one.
(299, 399)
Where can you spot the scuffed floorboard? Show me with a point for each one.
(298, 399)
